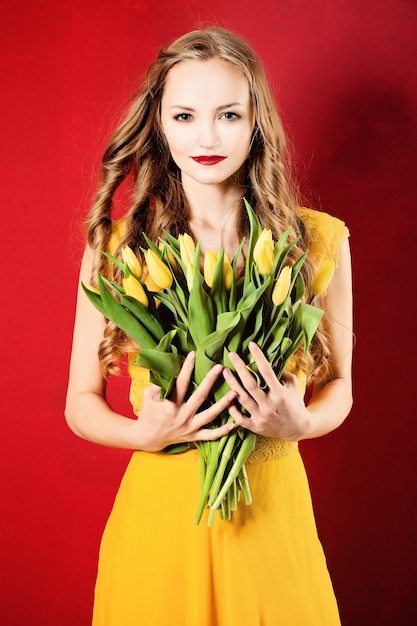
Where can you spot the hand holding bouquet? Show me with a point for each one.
(214, 312)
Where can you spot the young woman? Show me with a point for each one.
(202, 133)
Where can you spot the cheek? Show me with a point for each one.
(242, 139)
(175, 139)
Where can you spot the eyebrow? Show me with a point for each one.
(220, 108)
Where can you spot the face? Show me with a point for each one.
(207, 118)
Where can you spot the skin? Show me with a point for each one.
(206, 110)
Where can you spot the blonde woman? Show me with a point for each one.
(202, 133)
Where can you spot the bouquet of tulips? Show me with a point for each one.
(213, 312)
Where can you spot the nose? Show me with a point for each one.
(209, 137)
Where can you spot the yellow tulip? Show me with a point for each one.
(134, 289)
(189, 275)
(210, 260)
(322, 278)
(151, 284)
(158, 270)
(93, 289)
(282, 286)
(170, 256)
(132, 261)
(187, 248)
(263, 252)
(227, 273)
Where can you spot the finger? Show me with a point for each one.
(264, 366)
(152, 392)
(209, 414)
(242, 420)
(288, 378)
(202, 392)
(184, 377)
(245, 399)
(211, 434)
(248, 381)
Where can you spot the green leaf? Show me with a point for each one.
(166, 364)
(173, 243)
(113, 286)
(117, 313)
(166, 300)
(309, 320)
(117, 262)
(213, 343)
(233, 295)
(152, 325)
(94, 298)
(218, 291)
(277, 336)
(255, 232)
(200, 306)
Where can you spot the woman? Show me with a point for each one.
(202, 133)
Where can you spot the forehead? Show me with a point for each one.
(213, 79)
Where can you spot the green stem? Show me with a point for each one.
(226, 456)
(245, 449)
(210, 519)
(178, 307)
(225, 504)
(233, 496)
(244, 482)
(208, 481)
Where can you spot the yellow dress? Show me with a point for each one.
(264, 567)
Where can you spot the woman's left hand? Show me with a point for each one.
(279, 411)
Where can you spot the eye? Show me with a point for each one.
(230, 115)
(183, 117)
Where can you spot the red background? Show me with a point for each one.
(345, 76)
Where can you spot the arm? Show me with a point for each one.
(281, 411)
(160, 423)
(330, 404)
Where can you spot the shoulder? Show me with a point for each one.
(325, 233)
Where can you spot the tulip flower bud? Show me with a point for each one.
(263, 252)
(189, 275)
(92, 289)
(151, 284)
(159, 272)
(134, 289)
(210, 260)
(187, 248)
(162, 246)
(282, 286)
(227, 273)
(132, 261)
(322, 278)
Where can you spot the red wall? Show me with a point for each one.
(346, 79)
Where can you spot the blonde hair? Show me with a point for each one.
(138, 151)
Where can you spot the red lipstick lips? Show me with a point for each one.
(208, 160)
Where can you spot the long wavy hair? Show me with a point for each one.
(137, 151)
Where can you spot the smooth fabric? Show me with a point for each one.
(264, 567)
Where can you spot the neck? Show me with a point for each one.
(213, 206)
(215, 216)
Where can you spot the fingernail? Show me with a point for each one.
(232, 356)
(227, 373)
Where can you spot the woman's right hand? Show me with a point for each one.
(177, 420)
